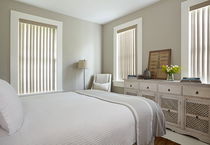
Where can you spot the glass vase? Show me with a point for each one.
(170, 77)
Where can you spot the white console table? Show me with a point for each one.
(186, 106)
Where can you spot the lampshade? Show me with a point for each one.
(82, 64)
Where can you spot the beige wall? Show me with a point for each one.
(81, 39)
(161, 30)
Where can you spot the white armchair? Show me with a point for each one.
(102, 82)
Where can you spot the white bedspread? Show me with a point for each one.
(149, 118)
(72, 119)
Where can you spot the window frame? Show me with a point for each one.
(185, 39)
(138, 22)
(14, 44)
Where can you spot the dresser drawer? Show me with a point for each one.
(148, 86)
(171, 106)
(197, 115)
(149, 95)
(132, 92)
(171, 89)
(196, 91)
(131, 85)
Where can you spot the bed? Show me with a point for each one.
(87, 117)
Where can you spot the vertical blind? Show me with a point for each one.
(37, 57)
(199, 58)
(126, 53)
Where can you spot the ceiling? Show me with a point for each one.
(98, 11)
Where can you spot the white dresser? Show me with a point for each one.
(186, 106)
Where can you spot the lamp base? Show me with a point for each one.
(84, 80)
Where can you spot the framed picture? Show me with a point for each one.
(156, 60)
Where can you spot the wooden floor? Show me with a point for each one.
(164, 141)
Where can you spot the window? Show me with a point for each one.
(127, 50)
(126, 47)
(37, 56)
(199, 64)
(198, 52)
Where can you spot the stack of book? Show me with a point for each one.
(193, 80)
(132, 77)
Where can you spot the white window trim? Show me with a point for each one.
(14, 37)
(137, 22)
(185, 35)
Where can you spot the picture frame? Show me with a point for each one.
(158, 58)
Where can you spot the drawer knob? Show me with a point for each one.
(147, 87)
(196, 117)
(196, 92)
(169, 110)
(169, 90)
(130, 85)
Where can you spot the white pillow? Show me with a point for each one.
(11, 112)
(103, 87)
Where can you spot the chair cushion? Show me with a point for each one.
(103, 87)
(11, 112)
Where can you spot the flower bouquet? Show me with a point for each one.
(170, 71)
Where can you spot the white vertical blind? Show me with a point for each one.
(199, 44)
(37, 58)
(126, 56)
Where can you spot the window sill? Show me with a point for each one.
(118, 83)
